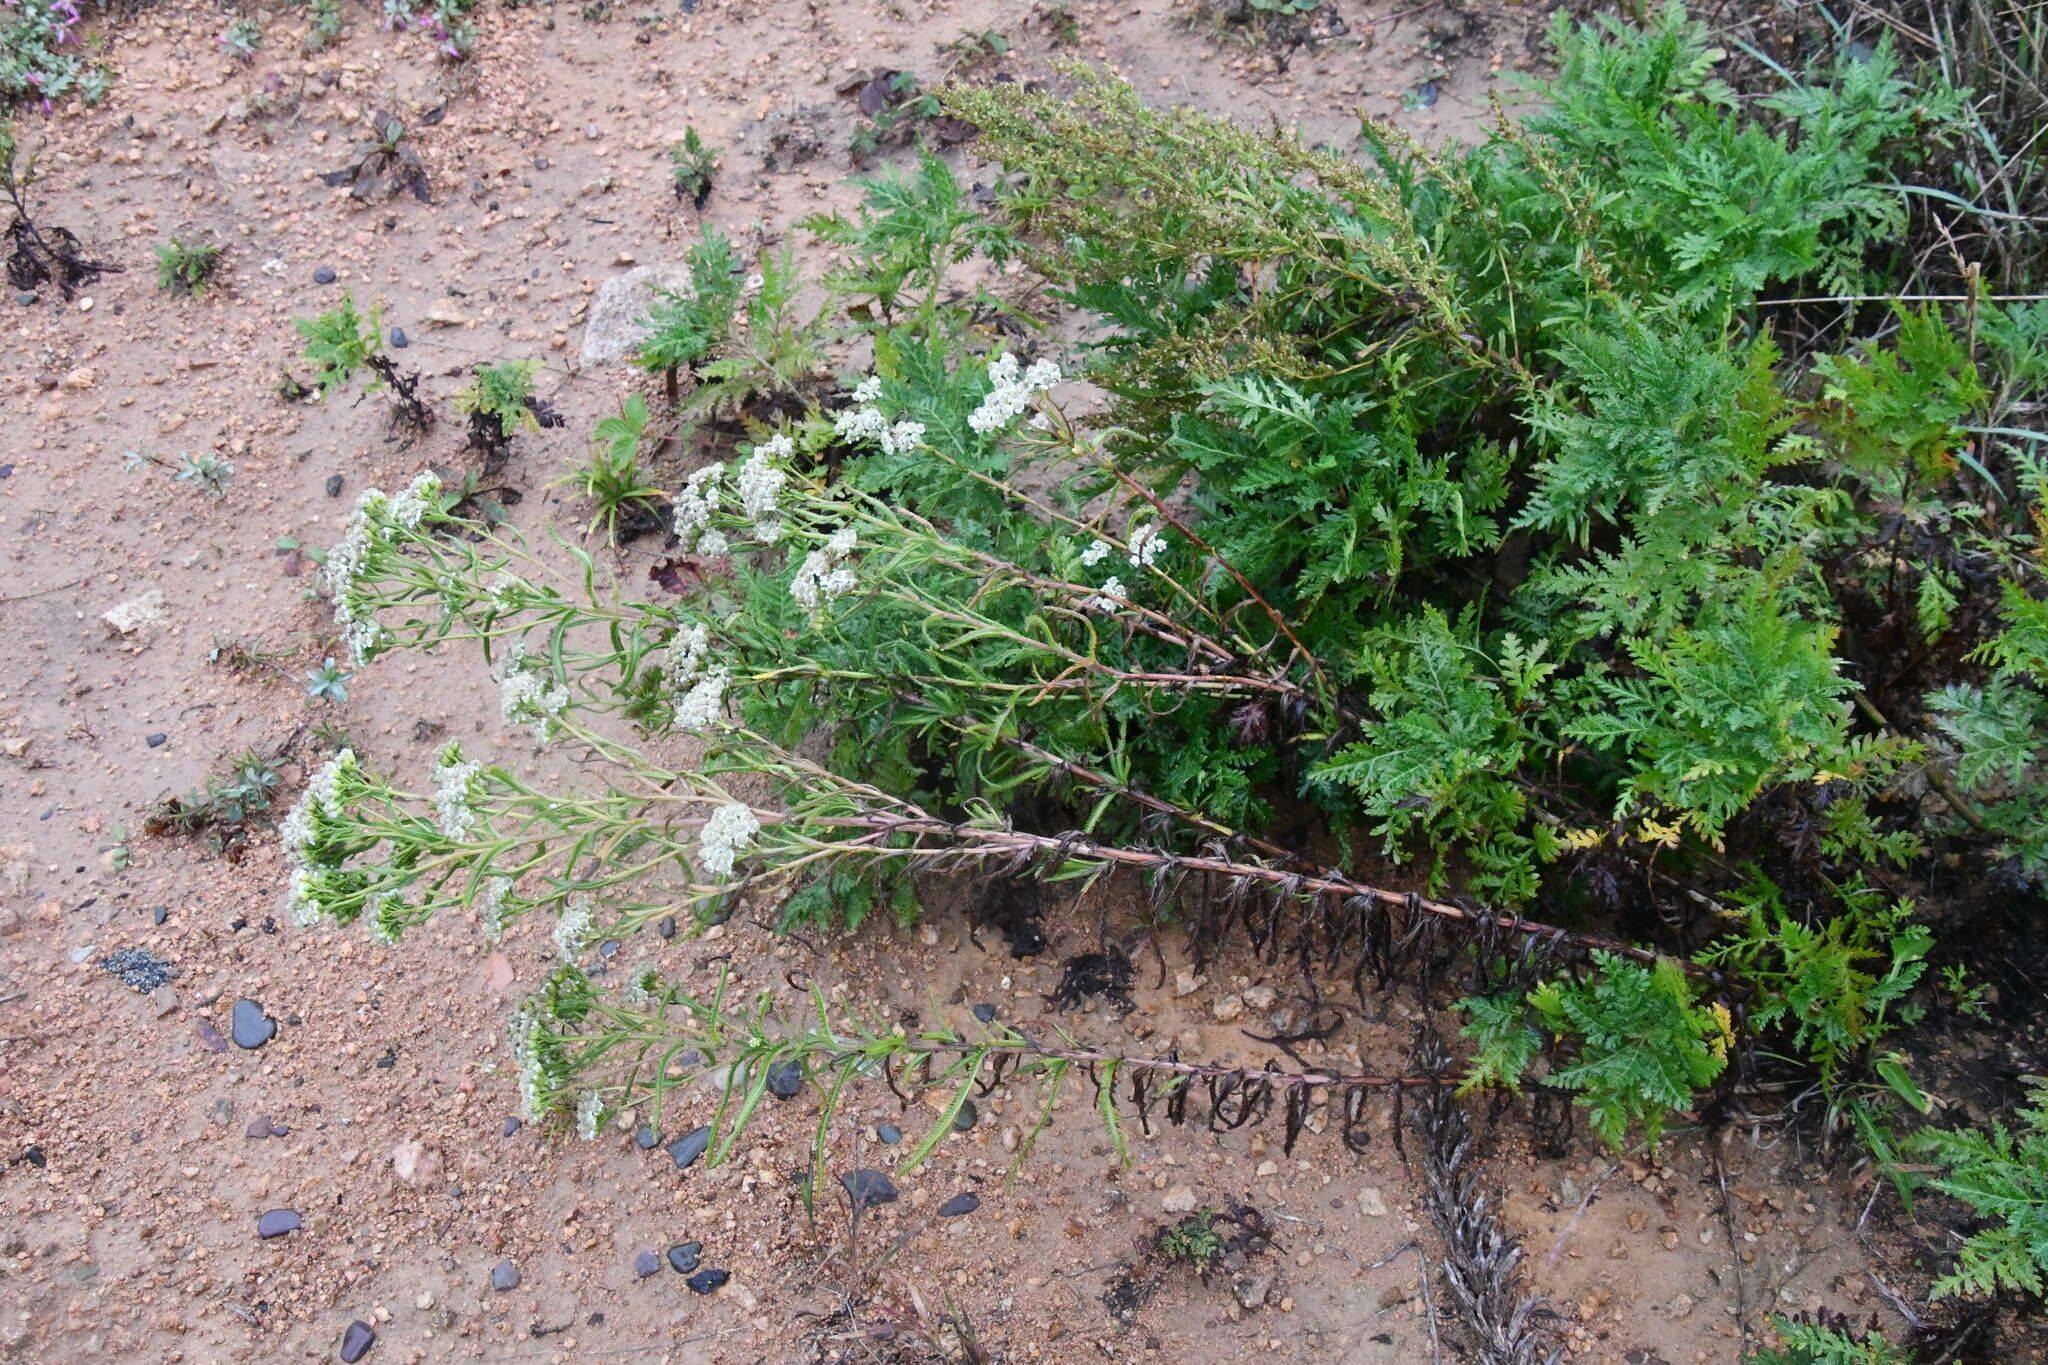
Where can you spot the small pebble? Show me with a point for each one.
(687, 1148)
(785, 1078)
(357, 1341)
(251, 1027)
(277, 1223)
(704, 1281)
(967, 1117)
(334, 485)
(25, 298)
(868, 1189)
(966, 1202)
(160, 914)
(511, 1127)
(323, 276)
(647, 1138)
(399, 340)
(667, 928)
(889, 1133)
(504, 1277)
(645, 1264)
(683, 1256)
(157, 740)
(985, 1013)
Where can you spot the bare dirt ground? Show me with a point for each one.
(138, 1148)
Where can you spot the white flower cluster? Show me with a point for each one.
(865, 422)
(1011, 392)
(761, 487)
(1109, 599)
(573, 927)
(377, 517)
(490, 906)
(824, 574)
(700, 686)
(453, 779)
(589, 1109)
(1095, 553)
(725, 836)
(385, 916)
(526, 1055)
(1145, 544)
(322, 800)
(694, 506)
(527, 696)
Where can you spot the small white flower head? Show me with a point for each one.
(761, 488)
(696, 502)
(824, 574)
(326, 796)
(303, 899)
(420, 497)
(868, 390)
(724, 837)
(528, 696)
(454, 785)
(1109, 599)
(1009, 392)
(803, 589)
(573, 928)
(526, 1038)
(712, 543)
(1145, 544)
(490, 906)
(1095, 553)
(505, 593)
(841, 542)
(704, 703)
(385, 917)
(838, 582)
(902, 438)
(642, 991)
(589, 1111)
(860, 424)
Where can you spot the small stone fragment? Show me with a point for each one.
(399, 340)
(334, 482)
(704, 1281)
(686, 1149)
(868, 1189)
(504, 1277)
(323, 275)
(967, 1117)
(135, 613)
(1179, 1199)
(511, 1127)
(277, 1223)
(1371, 1202)
(985, 1013)
(357, 1341)
(157, 740)
(889, 1133)
(960, 1205)
(645, 1264)
(1227, 1008)
(646, 1138)
(251, 1027)
(684, 1256)
(785, 1079)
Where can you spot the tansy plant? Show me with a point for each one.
(1464, 507)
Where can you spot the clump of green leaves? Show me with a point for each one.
(342, 343)
(1827, 1341)
(226, 808)
(242, 38)
(690, 166)
(623, 501)
(1193, 1241)
(185, 267)
(743, 338)
(205, 471)
(2002, 1174)
(500, 403)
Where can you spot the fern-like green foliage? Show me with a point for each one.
(2002, 1174)
(500, 392)
(1820, 1343)
(688, 323)
(1636, 1044)
(340, 343)
(1836, 985)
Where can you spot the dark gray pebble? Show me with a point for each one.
(985, 1012)
(869, 1189)
(264, 1127)
(323, 276)
(357, 1341)
(966, 1202)
(511, 1127)
(334, 485)
(667, 927)
(967, 1117)
(645, 1264)
(277, 1223)
(683, 1256)
(785, 1079)
(399, 340)
(504, 1277)
(889, 1133)
(687, 1148)
(647, 1138)
(160, 914)
(209, 1037)
(251, 1027)
(704, 1281)
(608, 949)
(157, 740)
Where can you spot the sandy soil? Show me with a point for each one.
(138, 1148)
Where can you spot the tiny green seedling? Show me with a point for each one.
(205, 471)
(691, 164)
(186, 267)
(327, 682)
